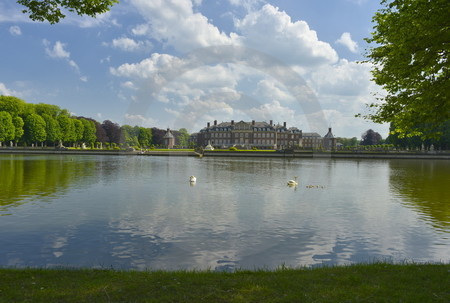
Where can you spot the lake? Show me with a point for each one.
(141, 212)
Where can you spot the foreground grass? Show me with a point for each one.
(356, 283)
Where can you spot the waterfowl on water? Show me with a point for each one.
(192, 179)
(293, 182)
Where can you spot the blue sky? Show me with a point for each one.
(183, 63)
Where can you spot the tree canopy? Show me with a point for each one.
(410, 56)
(370, 137)
(52, 10)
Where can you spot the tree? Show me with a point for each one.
(6, 127)
(370, 137)
(18, 128)
(112, 131)
(47, 109)
(67, 129)
(144, 136)
(89, 131)
(12, 105)
(78, 130)
(34, 128)
(183, 137)
(52, 129)
(50, 10)
(411, 62)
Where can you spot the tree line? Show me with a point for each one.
(28, 124)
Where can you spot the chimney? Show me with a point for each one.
(215, 122)
(284, 124)
(208, 124)
(271, 122)
(232, 122)
(253, 122)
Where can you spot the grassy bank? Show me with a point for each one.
(357, 283)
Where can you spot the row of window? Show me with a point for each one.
(247, 135)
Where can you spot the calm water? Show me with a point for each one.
(141, 212)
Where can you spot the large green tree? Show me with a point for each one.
(88, 131)
(52, 129)
(67, 129)
(52, 10)
(6, 127)
(18, 128)
(12, 105)
(410, 55)
(34, 128)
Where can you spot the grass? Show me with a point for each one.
(378, 282)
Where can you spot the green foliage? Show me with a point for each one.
(52, 128)
(34, 128)
(233, 148)
(47, 109)
(88, 131)
(67, 128)
(410, 60)
(183, 137)
(7, 129)
(12, 105)
(18, 128)
(78, 130)
(50, 10)
(145, 136)
(348, 142)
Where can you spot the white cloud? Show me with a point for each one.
(346, 78)
(57, 51)
(15, 30)
(139, 120)
(174, 23)
(272, 31)
(130, 45)
(248, 5)
(346, 40)
(7, 92)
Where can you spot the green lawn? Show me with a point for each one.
(378, 282)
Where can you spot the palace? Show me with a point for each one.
(261, 135)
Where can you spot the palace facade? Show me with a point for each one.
(261, 135)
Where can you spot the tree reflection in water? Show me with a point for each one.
(424, 186)
(23, 178)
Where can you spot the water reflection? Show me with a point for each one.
(423, 185)
(142, 212)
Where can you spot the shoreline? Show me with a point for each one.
(257, 154)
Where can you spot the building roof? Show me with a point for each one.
(311, 135)
(329, 135)
(168, 135)
(253, 125)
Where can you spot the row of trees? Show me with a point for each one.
(24, 123)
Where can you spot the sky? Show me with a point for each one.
(183, 63)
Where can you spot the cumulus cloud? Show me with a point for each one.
(15, 30)
(5, 91)
(347, 78)
(272, 31)
(240, 75)
(346, 40)
(174, 23)
(130, 45)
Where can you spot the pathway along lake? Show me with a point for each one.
(141, 212)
